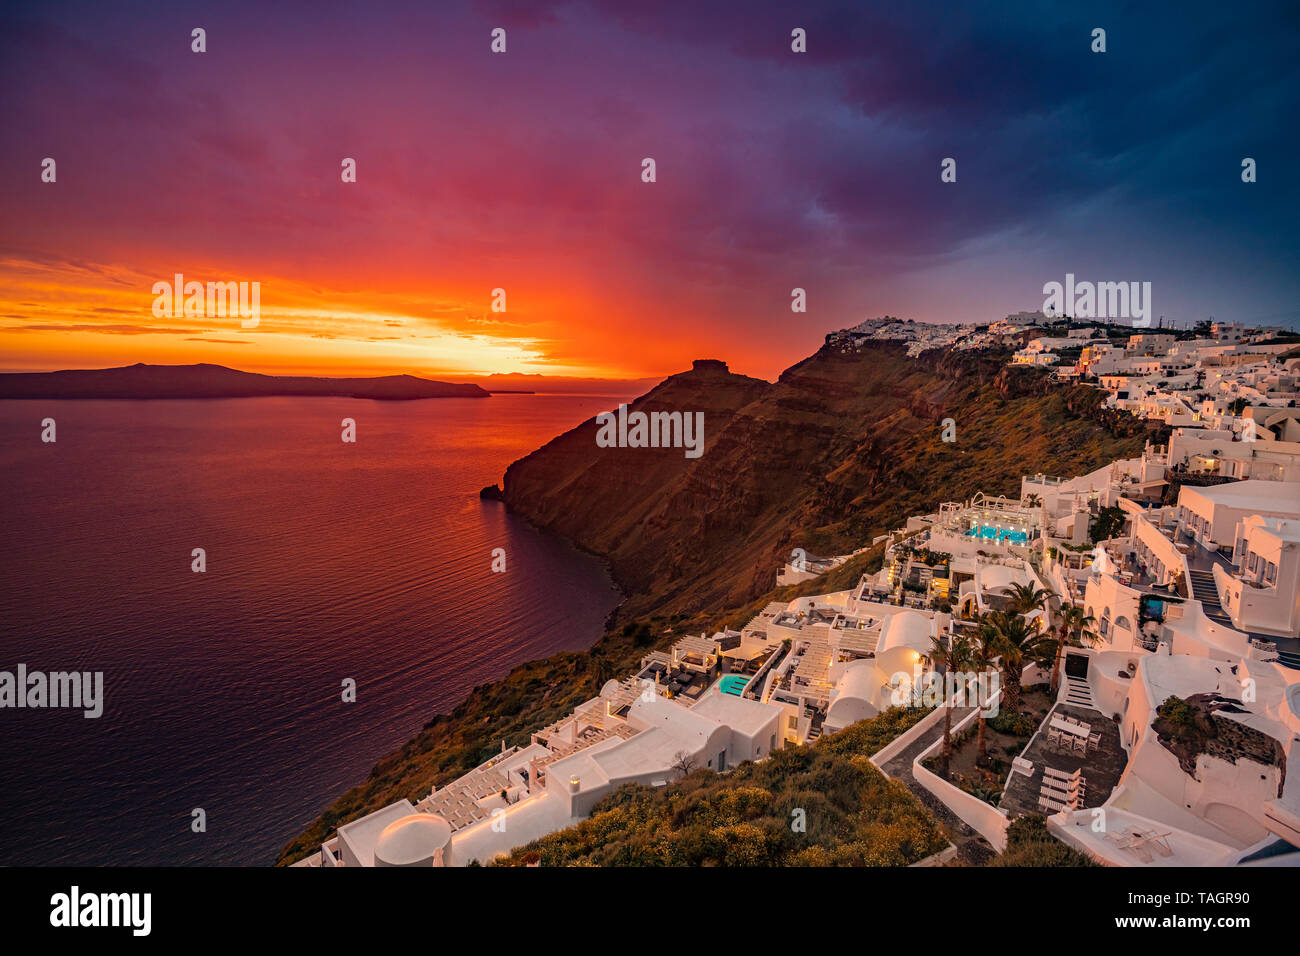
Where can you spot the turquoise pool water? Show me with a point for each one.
(732, 684)
(1002, 534)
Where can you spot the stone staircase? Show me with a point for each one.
(1205, 591)
(1078, 693)
(1288, 652)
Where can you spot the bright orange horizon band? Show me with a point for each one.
(56, 317)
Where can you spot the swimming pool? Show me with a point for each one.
(732, 684)
(1002, 534)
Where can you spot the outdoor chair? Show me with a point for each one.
(1138, 847)
(1127, 841)
(1157, 842)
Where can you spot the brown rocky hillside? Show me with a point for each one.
(842, 447)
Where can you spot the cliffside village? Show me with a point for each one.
(1168, 584)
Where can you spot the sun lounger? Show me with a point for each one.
(1062, 775)
(1054, 787)
(1057, 802)
(1047, 803)
(1062, 791)
(1157, 842)
(1132, 843)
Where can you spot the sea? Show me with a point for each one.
(326, 565)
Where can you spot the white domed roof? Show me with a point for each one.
(906, 629)
(854, 697)
(856, 682)
(610, 689)
(995, 576)
(412, 840)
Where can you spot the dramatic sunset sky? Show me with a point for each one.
(522, 171)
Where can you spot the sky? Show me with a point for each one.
(522, 171)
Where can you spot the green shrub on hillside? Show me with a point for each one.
(1029, 843)
(851, 814)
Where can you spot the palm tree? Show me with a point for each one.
(983, 654)
(1025, 598)
(949, 657)
(1015, 643)
(1032, 501)
(1076, 622)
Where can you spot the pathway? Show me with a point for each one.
(971, 847)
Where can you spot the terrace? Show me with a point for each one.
(859, 642)
(809, 618)
(688, 685)
(996, 519)
(1137, 567)
(1101, 767)
(698, 654)
(472, 797)
(763, 618)
(810, 671)
(619, 701)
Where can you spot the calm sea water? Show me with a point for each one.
(325, 561)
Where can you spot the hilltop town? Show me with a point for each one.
(1141, 622)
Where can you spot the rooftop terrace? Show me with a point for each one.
(1101, 768)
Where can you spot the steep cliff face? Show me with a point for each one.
(842, 447)
(615, 500)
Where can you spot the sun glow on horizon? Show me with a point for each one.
(56, 316)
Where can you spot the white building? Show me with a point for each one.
(630, 734)
(1264, 595)
(1224, 805)
(1211, 514)
(395, 835)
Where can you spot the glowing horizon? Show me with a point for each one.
(522, 171)
(106, 319)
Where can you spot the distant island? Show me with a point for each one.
(216, 381)
(532, 383)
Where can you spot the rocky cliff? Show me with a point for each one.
(842, 447)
